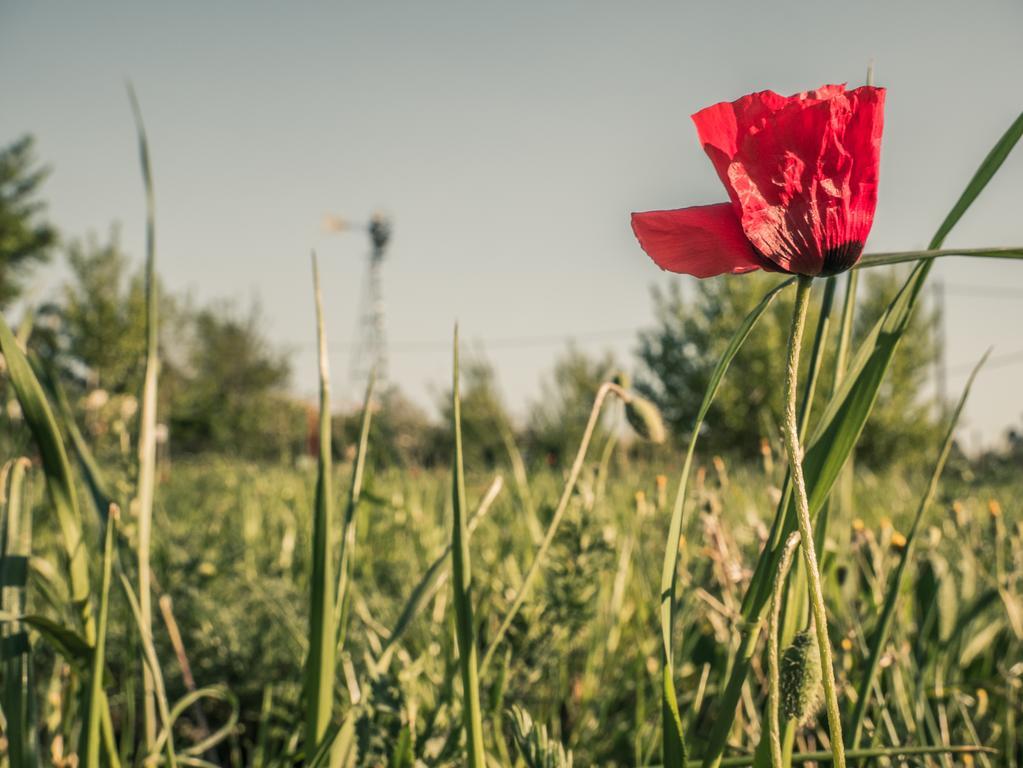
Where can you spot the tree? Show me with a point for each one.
(93, 340)
(98, 333)
(558, 419)
(690, 334)
(680, 352)
(103, 316)
(483, 415)
(902, 425)
(401, 434)
(26, 238)
(233, 397)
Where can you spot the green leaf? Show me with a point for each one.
(880, 636)
(66, 641)
(901, 257)
(320, 663)
(102, 496)
(980, 179)
(673, 739)
(90, 737)
(146, 484)
(17, 689)
(348, 527)
(461, 572)
(825, 757)
(337, 749)
(59, 483)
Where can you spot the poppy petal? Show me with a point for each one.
(702, 241)
(723, 126)
(801, 171)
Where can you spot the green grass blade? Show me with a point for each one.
(214, 693)
(835, 437)
(63, 639)
(91, 736)
(431, 582)
(146, 485)
(337, 749)
(99, 488)
(844, 500)
(152, 662)
(988, 168)
(16, 692)
(59, 483)
(320, 663)
(901, 257)
(461, 571)
(262, 749)
(890, 752)
(880, 636)
(348, 527)
(673, 741)
(521, 477)
(533, 572)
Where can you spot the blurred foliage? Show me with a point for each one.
(483, 415)
(692, 328)
(903, 425)
(584, 651)
(690, 333)
(403, 435)
(96, 334)
(26, 237)
(557, 419)
(236, 397)
(223, 385)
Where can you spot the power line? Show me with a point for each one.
(984, 291)
(1010, 358)
(506, 341)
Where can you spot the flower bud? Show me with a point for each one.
(645, 419)
(800, 678)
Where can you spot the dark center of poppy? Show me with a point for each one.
(841, 258)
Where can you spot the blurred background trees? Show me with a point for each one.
(903, 425)
(485, 419)
(692, 328)
(679, 352)
(225, 388)
(234, 396)
(26, 237)
(557, 419)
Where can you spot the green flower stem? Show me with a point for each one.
(790, 427)
(773, 674)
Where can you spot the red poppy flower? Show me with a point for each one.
(801, 173)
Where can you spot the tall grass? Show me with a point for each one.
(146, 487)
(307, 654)
(319, 675)
(461, 580)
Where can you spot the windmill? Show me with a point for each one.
(370, 351)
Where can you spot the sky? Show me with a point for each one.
(508, 142)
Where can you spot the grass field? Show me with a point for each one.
(621, 612)
(232, 558)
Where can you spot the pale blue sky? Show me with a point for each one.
(509, 141)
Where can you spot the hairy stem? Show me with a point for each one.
(773, 674)
(791, 431)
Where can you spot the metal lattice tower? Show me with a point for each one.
(370, 353)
